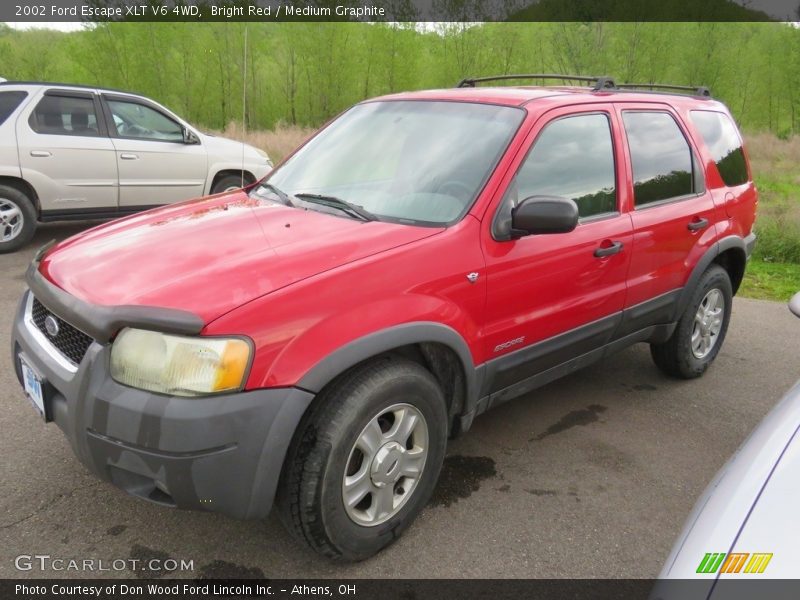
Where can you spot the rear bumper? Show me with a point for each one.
(749, 244)
(222, 453)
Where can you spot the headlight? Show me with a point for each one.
(179, 365)
(264, 155)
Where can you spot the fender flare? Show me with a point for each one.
(384, 340)
(723, 245)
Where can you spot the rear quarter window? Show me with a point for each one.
(9, 101)
(65, 115)
(722, 139)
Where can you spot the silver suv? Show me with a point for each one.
(75, 152)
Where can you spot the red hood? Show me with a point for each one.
(210, 256)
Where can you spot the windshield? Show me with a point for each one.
(402, 161)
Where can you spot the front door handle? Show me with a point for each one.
(697, 224)
(41, 153)
(128, 156)
(604, 251)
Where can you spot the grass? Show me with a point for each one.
(774, 164)
(276, 142)
(770, 281)
(774, 272)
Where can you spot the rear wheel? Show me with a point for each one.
(698, 337)
(365, 460)
(17, 219)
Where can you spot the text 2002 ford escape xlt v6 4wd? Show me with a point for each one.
(315, 339)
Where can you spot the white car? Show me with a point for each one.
(74, 152)
(745, 525)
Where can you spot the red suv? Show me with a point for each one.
(315, 339)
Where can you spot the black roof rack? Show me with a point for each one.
(600, 83)
(603, 83)
(698, 90)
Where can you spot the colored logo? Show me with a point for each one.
(735, 562)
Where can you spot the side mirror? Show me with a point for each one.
(189, 136)
(544, 214)
(794, 304)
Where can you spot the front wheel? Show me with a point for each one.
(698, 337)
(365, 460)
(17, 219)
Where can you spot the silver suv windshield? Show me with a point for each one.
(420, 162)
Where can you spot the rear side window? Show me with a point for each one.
(573, 157)
(9, 101)
(65, 115)
(723, 141)
(660, 157)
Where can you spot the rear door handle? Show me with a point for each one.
(128, 156)
(604, 251)
(41, 153)
(697, 224)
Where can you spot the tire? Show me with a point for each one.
(17, 219)
(327, 454)
(685, 356)
(228, 183)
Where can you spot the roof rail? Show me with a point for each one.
(698, 90)
(600, 83)
(70, 85)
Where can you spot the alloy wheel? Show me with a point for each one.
(385, 465)
(11, 220)
(708, 323)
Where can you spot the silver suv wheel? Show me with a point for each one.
(11, 220)
(385, 465)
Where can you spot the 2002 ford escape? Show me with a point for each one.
(315, 339)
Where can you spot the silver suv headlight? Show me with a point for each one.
(179, 365)
(264, 155)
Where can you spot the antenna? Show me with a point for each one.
(244, 100)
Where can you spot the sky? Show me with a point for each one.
(47, 25)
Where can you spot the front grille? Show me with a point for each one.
(71, 342)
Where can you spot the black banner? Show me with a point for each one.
(398, 10)
(426, 589)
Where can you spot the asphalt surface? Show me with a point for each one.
(591, 476)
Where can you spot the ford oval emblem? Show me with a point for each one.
(51, 326)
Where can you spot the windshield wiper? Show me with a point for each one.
(284, 197)
(343, 205)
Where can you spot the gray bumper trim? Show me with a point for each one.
(220, 453)
(749, 244)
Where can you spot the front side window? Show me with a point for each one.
(660, 157)
(573, 158)
(9, 101)
(65, 115)
(416, 162)
(723, 141)
(134, 120)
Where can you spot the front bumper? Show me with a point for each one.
(222, 453)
